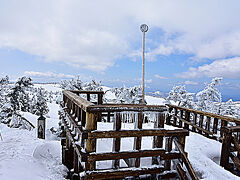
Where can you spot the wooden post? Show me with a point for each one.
(175, 118)
(194, 121)
(116, 141)
(91, 124)
(168, 147)
(158, 141)
(100, 99)
(181, 116)
(88, 97)
(168, 119)
(225, 153)
(138, 140)
(187, 118)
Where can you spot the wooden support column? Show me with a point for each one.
(158, 141)
(181, 116)
(225, 153)
(116, 141)
(91, 124)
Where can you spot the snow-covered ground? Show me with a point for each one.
(25, 157)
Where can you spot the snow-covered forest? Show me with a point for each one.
(23, 156)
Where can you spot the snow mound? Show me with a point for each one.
(46, 151)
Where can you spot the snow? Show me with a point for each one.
(25, 157)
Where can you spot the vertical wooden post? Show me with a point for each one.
(168, 147)
(175, 118)
(225, 153)
(100, 99)
(88, 96)
(91, 124)
(194, 121)
(157, 140)
(208, 124)
(215, 125)
(138, 140)
(201, 123)
(116, 141)
(168, 119)
(181, 116)
(187, 118)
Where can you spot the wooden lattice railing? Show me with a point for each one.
(230, 155)
(79, 141)
(204, 123)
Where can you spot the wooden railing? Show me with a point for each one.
(204, 123)
(230, 155)
(81, 133)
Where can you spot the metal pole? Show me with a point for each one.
(143, 28)
(143, 71)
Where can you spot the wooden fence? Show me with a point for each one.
(204, 123)
(81, 132)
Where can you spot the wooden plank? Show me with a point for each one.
(85, 92)
(92, 157)
(125, 107)
(116, 141)
(186, 161)
(122, 173)
(168, 119)
(181, 172)
(80, 102)
(137, 133)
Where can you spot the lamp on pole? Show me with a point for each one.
(143, 28)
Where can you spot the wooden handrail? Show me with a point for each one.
(226, 118)
(84, 104)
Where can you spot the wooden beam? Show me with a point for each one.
(137, 133)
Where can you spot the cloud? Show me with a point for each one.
(47, 74)
(94, 34)
(159, 77)
(228, 68)
(191, 83)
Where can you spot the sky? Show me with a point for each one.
(188, 42)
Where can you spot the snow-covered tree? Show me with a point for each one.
(18, 95)
(40, 107)
(207, 98)
(3, 90)
(127, 95)
(179, 95)
(73, 84)
(229, 109)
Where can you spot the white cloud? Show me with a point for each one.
(228, 68)
(47, 74)
(159, 77)
(190, 82)
(93, 34)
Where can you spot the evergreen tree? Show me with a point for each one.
(40, 107)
